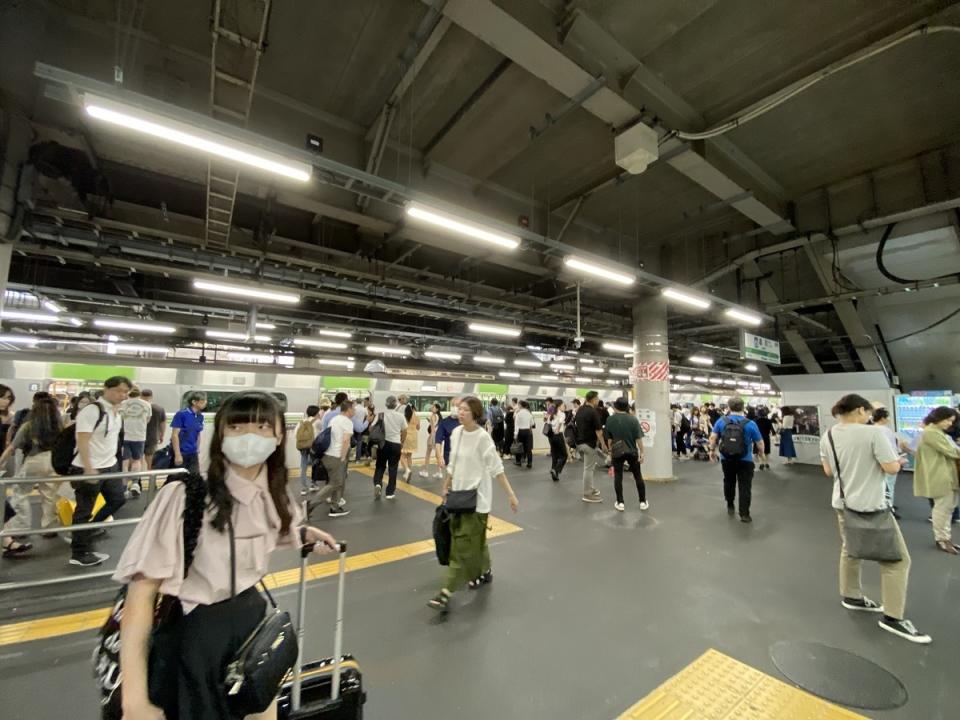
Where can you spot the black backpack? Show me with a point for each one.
(64, 448)
(733, 441)
(322, 443)
(496, 415)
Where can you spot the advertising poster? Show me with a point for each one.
(806, 424)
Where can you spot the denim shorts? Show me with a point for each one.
(133, 449)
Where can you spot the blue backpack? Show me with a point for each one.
(322, 443)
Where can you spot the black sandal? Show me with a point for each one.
(439, 602)
(484, 579)
(16, 549)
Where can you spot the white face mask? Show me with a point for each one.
(249, 449)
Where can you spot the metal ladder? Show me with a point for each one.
(233, 75)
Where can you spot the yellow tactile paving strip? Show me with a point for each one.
(717, 687)
(56, 626)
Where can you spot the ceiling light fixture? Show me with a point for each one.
(562, 367)
(549, 377)
(349, 364)
(76, 322)
(581, 380)
(246, 291)
(462, 227)
(699, 379)
(137, 326)
(508, 374)
(242, 336)
(53, 307)
(266, 326)
(193, 137)
(126, 347)
(434, 355)
(744, 317)
(18, 339)
(388, 350)
(618, 347)
(489, 360)
(325, 344)
(489, 329)
(335, 333)
(622, 277)
(586, 361)
(29, 316)
(686, 298)
(593, 369)
(619, 371)
(684, 378)
(750, 367)
(701, 360)
(528, 363)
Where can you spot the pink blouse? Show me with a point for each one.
(155, 549)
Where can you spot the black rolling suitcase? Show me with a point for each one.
(331, 689)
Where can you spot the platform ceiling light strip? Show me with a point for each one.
(349, 364)
(686, 298)
(136, 326)
(227, 335)
(266, 326)
(325, 344)
(246, 291)
(701, 360)
(193, 137)
(618, 347)
(743, 317)
(562, 367)
(388, 350)
(593, 369)
(586, 361)
(125, 347)
(549, 377)
(508, 374)
(750, 367)
(435, 355)
(31, 316)
(53, 307)
(335, 333)
(619, 371)
(462, 227)
(528, 363)
(19, 339)
(700, 379)
(490, 329)
(621, 277)
(684, 378)
(489, 360)
(581, 380)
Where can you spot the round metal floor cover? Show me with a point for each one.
(838, 675)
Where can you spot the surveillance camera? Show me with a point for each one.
(578, 341)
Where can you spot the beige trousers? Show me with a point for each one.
(942, 515)
(893, 576)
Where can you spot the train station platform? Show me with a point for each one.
(594, 614)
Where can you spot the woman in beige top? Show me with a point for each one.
(935, 474)
(410, 442)
(247, 487)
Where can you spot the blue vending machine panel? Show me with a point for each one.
(910, 412)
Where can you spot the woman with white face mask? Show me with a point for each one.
(248, 488)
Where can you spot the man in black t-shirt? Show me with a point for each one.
(589, 435)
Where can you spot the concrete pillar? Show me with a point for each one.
(653, 396)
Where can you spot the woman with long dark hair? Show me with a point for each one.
(787, 449)
(411, 441)
(249, 498)
(35, 438)
(11, 547)
(77, 403)
(935, 473)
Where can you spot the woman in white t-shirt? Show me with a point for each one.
(787, 449)
(882, 420)
(474, 462)
(523, 423)
(858, 457)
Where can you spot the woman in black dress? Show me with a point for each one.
(765, 425)
(509, 426)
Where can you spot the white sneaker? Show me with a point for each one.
(377, 490)
(424, 474)
(618, 506)
(438, 475)
(343, 501)
(644, 506)
(406, 475)
(390, 497)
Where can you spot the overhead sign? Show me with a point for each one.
(754, 347)
(658, 371)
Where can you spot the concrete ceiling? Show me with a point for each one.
(462, 130)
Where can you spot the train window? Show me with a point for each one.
(215, 399)
(424, 403)
(537, 404)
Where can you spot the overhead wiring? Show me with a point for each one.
(895, 278)
(931, 326)
(778, 99)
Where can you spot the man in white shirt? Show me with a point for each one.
(395, 432)
(335, 459)
(136, 414)
(98, 438)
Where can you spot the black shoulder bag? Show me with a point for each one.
(867, 535)
(257, 671)
(459, 502)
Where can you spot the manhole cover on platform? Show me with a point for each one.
(838, 675)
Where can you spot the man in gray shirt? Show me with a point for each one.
(156, 427)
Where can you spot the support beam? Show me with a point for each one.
(803, 351)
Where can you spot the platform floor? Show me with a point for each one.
(591, 610)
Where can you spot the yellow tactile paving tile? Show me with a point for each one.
(56, 626)
(717, 687)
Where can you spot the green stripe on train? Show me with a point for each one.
(349, 383)
(73, 371)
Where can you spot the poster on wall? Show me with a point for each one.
(806, 424)
(648, 423)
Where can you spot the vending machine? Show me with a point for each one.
(912, 409)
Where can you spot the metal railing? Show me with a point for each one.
(150, 475)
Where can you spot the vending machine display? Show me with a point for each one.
(910, 412)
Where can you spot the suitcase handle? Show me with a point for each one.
(307, 548)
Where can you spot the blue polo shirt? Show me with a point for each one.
(445, 430)
(191, 425)
(751, 433)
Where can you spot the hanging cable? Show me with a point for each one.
(931, 326)
(778, 99)
(889, 275)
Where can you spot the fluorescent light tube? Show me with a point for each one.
(31, 316)
(621, 277)
(349, 364)
(18, 339)
(700, 379)
(141, 348)
(716, 381)
(701, 360)
(744, 317)
(562, 367)
(618, 347)
(242, 336)
(549, 377)
(76, 322)
(462, 227)
(266, 326)
(581, 380)
(487, 328)
(592, 369)
(335, 333)
(619, 371)
(587, 361)
(325, 344)
(729, 382)
(750, 368)
(435, 355)
(742, 383)
(489, 360)
(53, 307)
(250, 357)
(613, 382)
(194, 137)
(528, 363)
(685, 298)
(684, 378)
(508, 374)
(246, 291)
(388, 350)
(137, 326)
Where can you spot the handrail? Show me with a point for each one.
(98, 476)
